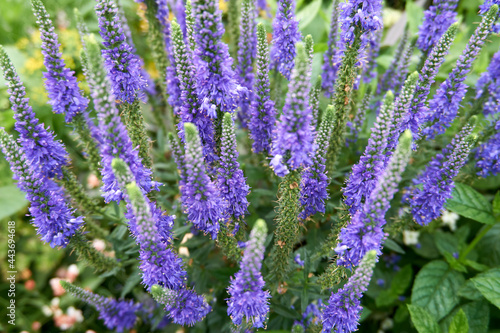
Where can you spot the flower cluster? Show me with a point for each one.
(64, 94)
(485, 7)
(488, 87)
(330, 60)
(248, 300)
(364, 14)
(437, 18)
(488, 155)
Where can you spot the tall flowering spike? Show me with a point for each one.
(488, 87)
(247, 51)
(485, 7)
(230, 180)
(51, 215)
(313, 190)
(330, 63)
(183, 306)
(388, 81)
(401, 107)
(119, 315)
(178, 154)
(189, 34)
(64, 94)
(309, 46)
(364, 174)
(285, 35)
(356, 124)
(434, 185)
(121, 63)
(159, 264)
(180, 14)
(190, 108)
(314, 94)
(203, 204)
(437, 18)
(293, 143)
(115, 139)
(372, 51)
(402, 73)
(361, 13)
(263, 111)
(247, 299)
(44, 153)
(216, 81)
(426, 79)
(364, 233)
(343, 310)
(443, 107)
(488, 155)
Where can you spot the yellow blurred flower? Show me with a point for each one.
(223, 5)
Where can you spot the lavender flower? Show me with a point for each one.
(330, 63)
(364, 233)
(443, 108)
(203, 205)
(230, 180)
(488, 86)
(286, 35)
(44, 154)
(369, 62)
(313, 190)
(247, 51)
(121, 63)
(343, 309)
(314, 94)
(180, 14)
(365, 173)
(488, 155)
(248, 300)
(183, 306)
(216, 81)
(263, 112)
(190, 104)
(119, 315)
(189, 33)
(388, 81)
(64, 94)
(293, 143)
(437, 18)
(52, 216)
(485, 7)
(433, 187)
(362, 13)
(159, 264)
(115, 139)
(426, 79)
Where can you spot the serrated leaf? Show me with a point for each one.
(459, 324)
(424, 322)
(436, 288)
(469, 203)
(488, 283)
(478, 316)
(11, 201)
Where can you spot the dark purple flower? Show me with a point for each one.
(488, 86)
(437, 18)
(488, 155)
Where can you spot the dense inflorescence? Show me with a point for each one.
(437, 18)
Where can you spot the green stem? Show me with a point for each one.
(474, 242)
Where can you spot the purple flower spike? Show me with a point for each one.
(365, 173)
(248, 300)
(433, 187)
(488, 155)
(190, 104)
(364, 233)
(437, 19)
(203, 204)
(343, 310)
(330, 60)
(488, 86)
(285, 35)
(44, 154)
(217, 84)
(230, 180)
(119, 315)
(247, 51)
(363, 13)
(121, 63)
(64, 94)
(293, 143)
(443, 108)
(53, 218)
(263, 113)
(485, 7)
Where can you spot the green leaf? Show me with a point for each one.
(393, 246)
(436, 288)
(415, 17)
(459, 324)
(488, 249)
(11, 201)
(469, 203)
(469, 291)
(478, 316)
(496, 206)
(308, 14)
(399, 284)
(488, 283)
(423, 320)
